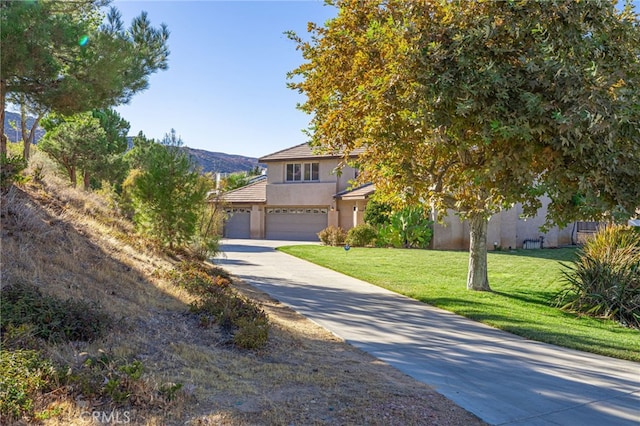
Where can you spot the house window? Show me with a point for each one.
(303, 172)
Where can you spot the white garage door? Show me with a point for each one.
(299, 224)
(238, 222)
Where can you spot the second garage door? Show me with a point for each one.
(298, 224)
(237, 223)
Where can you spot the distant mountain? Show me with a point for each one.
(12, 119)
(223, 163)
(218, 162)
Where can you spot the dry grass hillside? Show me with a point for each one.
(154, 363)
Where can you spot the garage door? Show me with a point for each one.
(238, 223)
(300, 224)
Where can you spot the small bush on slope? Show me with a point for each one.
(217, 303)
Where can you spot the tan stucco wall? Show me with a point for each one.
(276, 172)
(450, 235)
(346, 177)
(333, 218)
(282, 193)
(345, 215)
(301, 194)
(506, 228)
(350, 213)
(256, 222)
(529, 228)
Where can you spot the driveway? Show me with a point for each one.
(501, 378)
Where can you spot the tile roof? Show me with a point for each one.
(359, 193)
(301, 152)
(253, 193)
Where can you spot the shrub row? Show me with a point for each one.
(398, 235)
(359, 236)
(409, 227)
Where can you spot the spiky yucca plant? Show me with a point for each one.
(605, 279)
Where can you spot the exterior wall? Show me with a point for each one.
(450, 235)
(506, 229)
(565, 236)
(345, 214)
(494, 231)
(344, 180)
(280, 192)
(358, 213)
(256, 222)
(529, 228)
(333, 218)
(319, 193)
(301, 194)
(276, 170)
(350, 213)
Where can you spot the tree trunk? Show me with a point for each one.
(87, 181)
(28, 135)
(3, 138)
(72, 175)
(477, 278)
(26, 142)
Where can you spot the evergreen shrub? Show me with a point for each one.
(605, 279)
(361, 236)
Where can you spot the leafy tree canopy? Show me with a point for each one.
(75, 59)
(75, 143)
(475, 106)
(91, 142)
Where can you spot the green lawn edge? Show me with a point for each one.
(524, 284)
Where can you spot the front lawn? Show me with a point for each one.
(524, 283)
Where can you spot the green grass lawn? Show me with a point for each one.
(524, 284)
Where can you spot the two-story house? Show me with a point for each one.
(303, 193)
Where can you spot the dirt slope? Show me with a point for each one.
(70, 245)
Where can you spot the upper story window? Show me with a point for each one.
(299, 172)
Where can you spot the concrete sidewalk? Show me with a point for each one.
(501, 378)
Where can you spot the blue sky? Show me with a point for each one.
(225, 89)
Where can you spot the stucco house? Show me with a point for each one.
(302, 194)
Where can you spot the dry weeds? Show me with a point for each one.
(70, 244)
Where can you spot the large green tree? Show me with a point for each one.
(166, 189)
(68, 57)
(74, 143)
(92, 143)
(475, 106)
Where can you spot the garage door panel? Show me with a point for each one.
(298, 224)
(238, 223)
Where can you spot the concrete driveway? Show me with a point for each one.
(501, 378)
